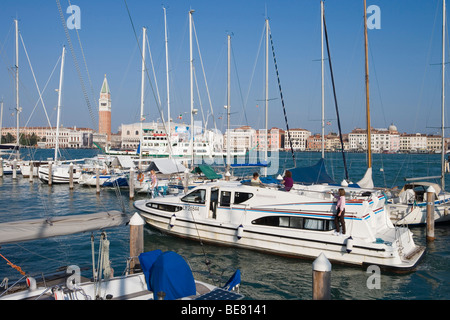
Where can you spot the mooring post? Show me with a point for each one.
(14, 169)
(321, 278)
(136, 239)
(30, 177)
(186, 181)
(50, 172)
(97, 179)
(430, 214)
(131, 181)
(71, 176)
(1, 167)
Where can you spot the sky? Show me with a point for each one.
(404, 62)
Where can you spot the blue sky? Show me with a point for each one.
(404, 56)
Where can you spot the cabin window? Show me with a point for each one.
(225, 198)
(164, 207)
(196, 196)
(295, 223)
(240, 197)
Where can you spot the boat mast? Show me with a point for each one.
(267, 96)
(323, 90)
(369, 138)
(443, 99)
(228, 104)
(144, 36)
(167, 79)
(61, 76)
(16, 22)
(191, 142)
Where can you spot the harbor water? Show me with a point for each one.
(264, 276)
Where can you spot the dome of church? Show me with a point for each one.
(392, 127)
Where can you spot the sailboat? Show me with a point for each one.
(298, 223)
(409, 205)
(60, 172)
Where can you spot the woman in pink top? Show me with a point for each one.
(340, 211)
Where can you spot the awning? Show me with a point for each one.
(207, 171)
(166, 166)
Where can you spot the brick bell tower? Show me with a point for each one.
(104, 108)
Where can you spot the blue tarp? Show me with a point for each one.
(265, 180)
(312, 175)
(167, 272)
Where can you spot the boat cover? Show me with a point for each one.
(17, 231)
(167, 272)
(166, 166)
(207, 171)
(315, 174)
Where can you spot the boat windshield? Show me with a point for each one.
(196, 196)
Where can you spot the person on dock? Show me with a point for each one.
(288, 182)
(340, 212)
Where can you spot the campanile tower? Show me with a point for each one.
(104, 122)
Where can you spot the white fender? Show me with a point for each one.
(349, 244)
(240, 231)
(31, 283)
(172, 220)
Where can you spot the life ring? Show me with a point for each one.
(140, 177)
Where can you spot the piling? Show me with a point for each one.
(14, 174)
(430, 214)
(131, 182)
(50, 173)
(136, 240)
(186, 181)
(97, 179)
(30, 177)
(1, 167)
(321, 278)
(71, 176)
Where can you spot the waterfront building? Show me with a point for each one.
(242, 137)
(275, 137)
(298, 138)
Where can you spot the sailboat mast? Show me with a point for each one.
(443, 98)
(167, 79)
(144, 36)
(228, 103)
(16, 22)
(191, 143)
(369, 138)
(267, 96)
(323, 86)
(61, 76)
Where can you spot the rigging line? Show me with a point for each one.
(84, 60)
(239, 85)
(153, 68)
(282, 99)
(335, 98)
(77, 66)
(37, 86)
(204, 74)
(198, 95)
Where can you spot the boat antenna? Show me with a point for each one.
(335, 99)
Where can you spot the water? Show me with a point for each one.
(264, 277)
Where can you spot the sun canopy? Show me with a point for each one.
(166, 166)
(18, 231)
(207, 171)
(315, 174)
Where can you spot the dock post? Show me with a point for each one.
(430, 214)
(71, 176)
(1, 167)
(321, 278)
(50, 173)
(14, 169)
(97, 179)
(131, 182)
(186, 181)
(136, 239)
(30, 177)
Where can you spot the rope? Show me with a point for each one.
(13, 265)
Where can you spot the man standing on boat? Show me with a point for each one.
(340, 211)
